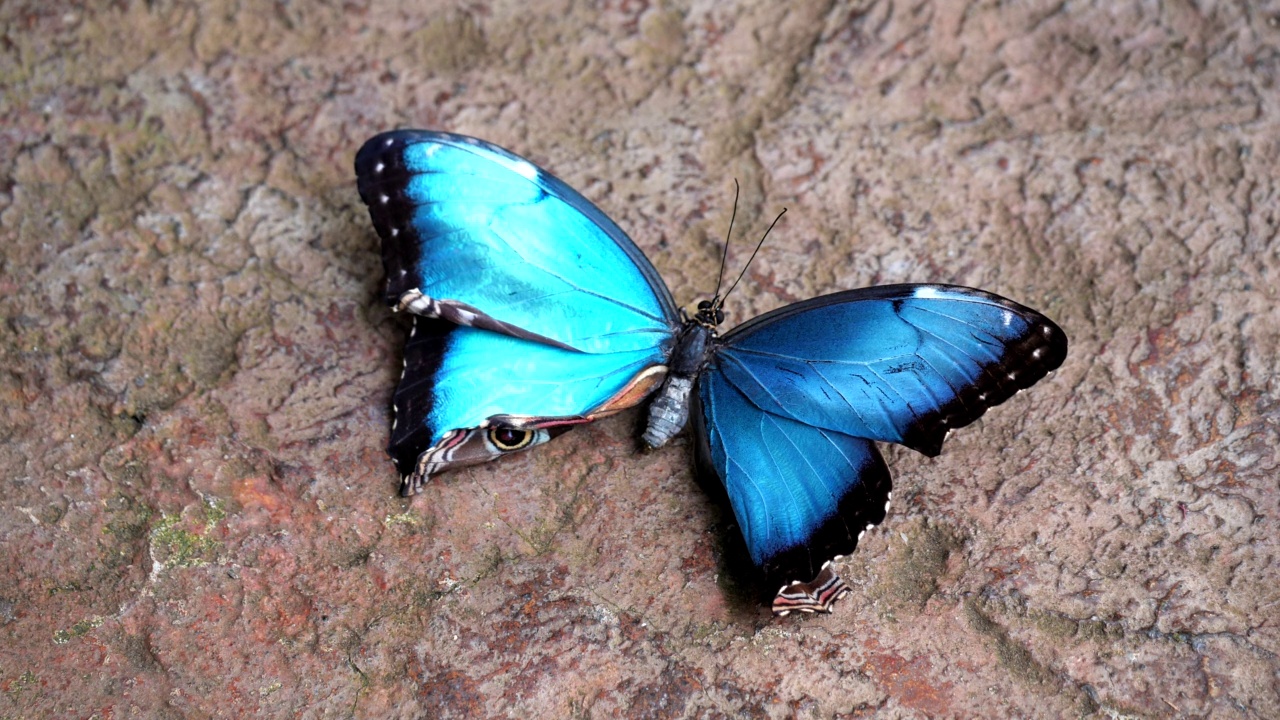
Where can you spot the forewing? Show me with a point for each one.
(896, 363)
(792, 401)
(481, 237)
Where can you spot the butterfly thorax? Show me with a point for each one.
(669, 410)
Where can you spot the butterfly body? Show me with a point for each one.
(535, 313)
(669, 409)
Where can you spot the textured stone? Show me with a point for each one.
(198, 517)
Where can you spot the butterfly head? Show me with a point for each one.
(710, 313)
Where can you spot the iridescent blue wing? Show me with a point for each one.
(801, 495)
(895, 363)
(476, 235)
(538, 312)
(469, 395)
(898, 363)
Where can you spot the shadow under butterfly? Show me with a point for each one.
(535, 313)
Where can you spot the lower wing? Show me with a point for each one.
(802, 495)
(469, 395)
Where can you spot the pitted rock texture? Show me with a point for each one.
(197, 514)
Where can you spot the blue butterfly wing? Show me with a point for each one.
(801, 495)
(792, 400)
(538, 312)
(895, 363)
(458, 378)
(483, 232)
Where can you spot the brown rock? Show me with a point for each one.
(197, 514)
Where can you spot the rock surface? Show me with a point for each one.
(198, 517)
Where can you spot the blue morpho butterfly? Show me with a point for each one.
(535, 313)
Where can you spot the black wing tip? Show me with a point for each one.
(404, 456)
(372, 159)
(1056, 344)
(384, 144)
(412, 404)
(1026, 362)
(389, 145)
(410, 485)
(382, 180)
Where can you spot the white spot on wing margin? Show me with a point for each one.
(926, 292)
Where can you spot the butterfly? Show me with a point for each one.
(534, 312)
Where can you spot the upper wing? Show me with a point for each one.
(896, 363)
(476, 235)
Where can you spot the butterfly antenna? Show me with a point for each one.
(725, 257)
(753, 254)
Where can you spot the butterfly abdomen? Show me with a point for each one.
(669, 410)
